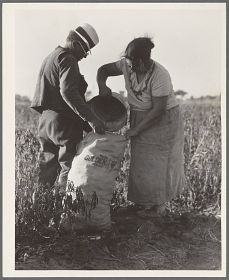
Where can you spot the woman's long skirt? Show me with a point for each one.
(157, 160)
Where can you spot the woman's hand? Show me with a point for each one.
(104, 90)
(131, 133)
(153, 115)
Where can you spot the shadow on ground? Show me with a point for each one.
(184, 242)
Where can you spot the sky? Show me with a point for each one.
(189, 40)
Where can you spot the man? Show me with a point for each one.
(59, 98)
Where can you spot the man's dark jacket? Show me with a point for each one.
(61, 87)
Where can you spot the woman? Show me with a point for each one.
(156, 126)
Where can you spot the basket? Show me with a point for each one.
(111, 110)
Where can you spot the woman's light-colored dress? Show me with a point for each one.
(157, 160)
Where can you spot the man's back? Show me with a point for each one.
(47, 93)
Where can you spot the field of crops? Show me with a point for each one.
(188, 237)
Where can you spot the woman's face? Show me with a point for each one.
(129, 62)
(132, 63)
(134, 58)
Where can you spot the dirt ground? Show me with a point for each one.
(183, 242)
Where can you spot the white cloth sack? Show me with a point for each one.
(94, 169)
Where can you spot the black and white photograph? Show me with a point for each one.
(114, 128)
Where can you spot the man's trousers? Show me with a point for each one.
(59, 135)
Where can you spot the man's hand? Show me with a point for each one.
(98, 126)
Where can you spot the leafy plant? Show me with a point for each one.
(202, 162)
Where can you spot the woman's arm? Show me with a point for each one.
(159, 108)
(103, 73)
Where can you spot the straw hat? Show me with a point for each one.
(111, 110)
(87, 35)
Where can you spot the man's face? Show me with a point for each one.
(80, 51)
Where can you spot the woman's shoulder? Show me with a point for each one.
(161, 73)
(160, 69)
